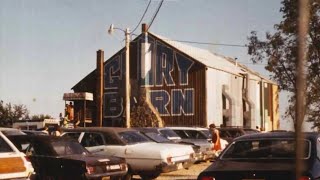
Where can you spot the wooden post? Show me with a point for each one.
(99, 87)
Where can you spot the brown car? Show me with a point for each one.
(64, 158)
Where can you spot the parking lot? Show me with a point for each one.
(191, 173)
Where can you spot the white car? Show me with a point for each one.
(13, 164)
(144, 157)
(198, 137)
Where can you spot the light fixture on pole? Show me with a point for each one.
(127, 35)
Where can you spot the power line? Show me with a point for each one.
(155, 15)
(145, 11)
(214, 44)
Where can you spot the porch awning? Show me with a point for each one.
(78, 96)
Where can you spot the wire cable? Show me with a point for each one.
(207, 43)
(155, 15)
(145, 11)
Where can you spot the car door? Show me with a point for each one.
(12, 162)
(94, 142)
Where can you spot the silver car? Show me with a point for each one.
(194, 135)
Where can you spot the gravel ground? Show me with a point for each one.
(191, 173)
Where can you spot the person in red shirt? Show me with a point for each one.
(215, 137)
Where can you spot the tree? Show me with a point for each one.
(40, 117)
(142, 115)
(10, 113)
(279, 50)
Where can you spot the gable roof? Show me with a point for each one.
(212, 60)
(207, 58)
(203, 56)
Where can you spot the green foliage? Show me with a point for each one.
(40, 117)
(141, 114)
(12, 112)
(279, 50)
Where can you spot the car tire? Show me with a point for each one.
(128, 176)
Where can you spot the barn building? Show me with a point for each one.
(188, 86)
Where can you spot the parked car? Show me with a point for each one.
(230, 132)
(267, 156)
(154, 134)
(191, 134)
(208, 134)
(144, 157)
(13, 164)
(65, 158)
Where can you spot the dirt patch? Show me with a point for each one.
(191, 173)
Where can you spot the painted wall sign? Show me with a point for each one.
(158, 72)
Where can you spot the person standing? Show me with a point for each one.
(215, 137)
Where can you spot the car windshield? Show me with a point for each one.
(207, 133)
(194, 134)
(157, 137)
(170, 134)
(68, 148)
(133, 137)
(265, 149)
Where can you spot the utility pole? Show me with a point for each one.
(127, 71)
(127, 34)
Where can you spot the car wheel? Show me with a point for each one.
(128, 176)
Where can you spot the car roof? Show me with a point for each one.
(280, 135)
(43, 139)
(146, 129)
(99, 129)
(187, 128)
(11, 131)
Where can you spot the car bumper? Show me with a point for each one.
(164, 167)
(208, 155)
(108, 174)
(198, 157)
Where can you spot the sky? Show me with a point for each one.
(47, 46)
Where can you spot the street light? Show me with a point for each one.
(127, 35)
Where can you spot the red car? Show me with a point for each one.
(64, 158)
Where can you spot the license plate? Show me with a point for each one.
(106, 178)
(252, 179)
(113, 167)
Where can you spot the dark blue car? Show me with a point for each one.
(266, 156)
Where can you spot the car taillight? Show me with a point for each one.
(207, 178)
(304, 178)
(28, 158)
(123, 167)
(169, 159)
(90, 169)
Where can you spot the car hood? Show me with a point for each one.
(95, 159)
(203, 144)
(152, 149)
